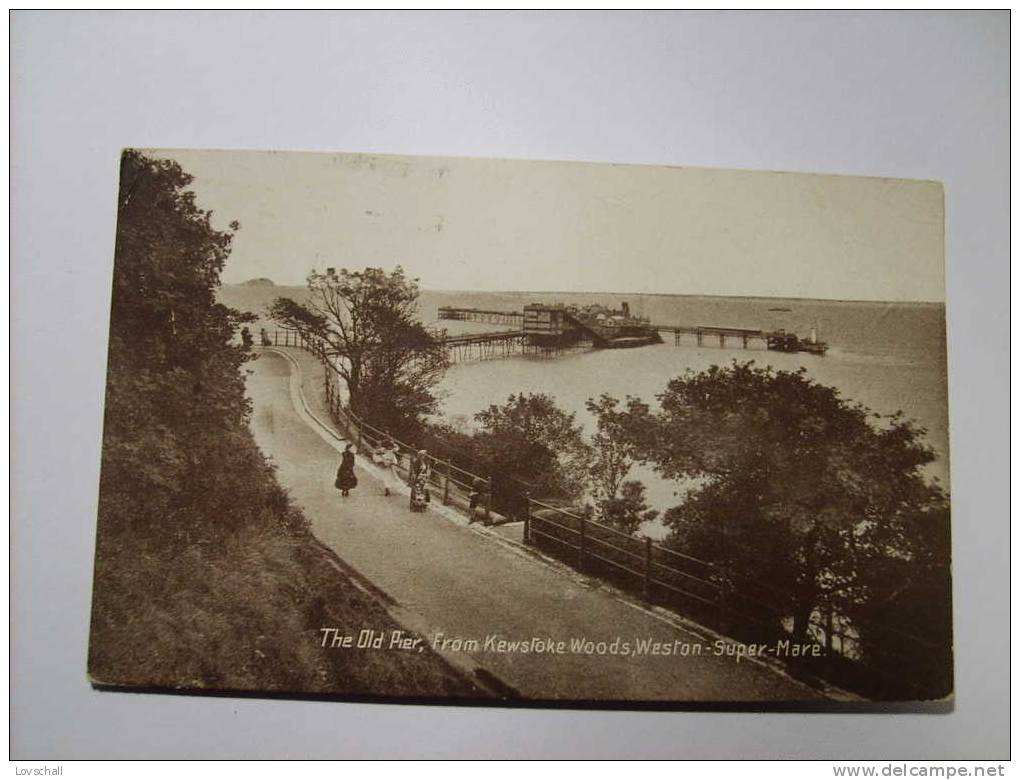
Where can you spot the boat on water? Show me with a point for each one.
(814, 347)
(781, 341)
(779, 308)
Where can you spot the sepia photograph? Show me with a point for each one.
(520, 432)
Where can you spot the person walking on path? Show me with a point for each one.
(388, 457)
(476, 501)
(419, 481)
(345, 479)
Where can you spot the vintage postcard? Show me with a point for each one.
(471, 430)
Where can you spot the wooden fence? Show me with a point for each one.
(709, 594)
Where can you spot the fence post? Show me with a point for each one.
(527, 517)
(488, 501)
(446, 484)
(828, 638)
(360, 434)
(724, 598)
(580, 548)
(648, 568)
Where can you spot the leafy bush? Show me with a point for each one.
(817, 498)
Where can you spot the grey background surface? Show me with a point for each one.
(914, 94)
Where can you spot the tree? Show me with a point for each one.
(819, 499)
(531, 439)
(174, 388)
(915, 606)
(628, 510)
(389, 362)
(613, 450)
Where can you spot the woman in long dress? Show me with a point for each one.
(345, 479)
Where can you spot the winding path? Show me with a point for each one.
(439, 575)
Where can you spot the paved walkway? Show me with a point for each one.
(441, 575)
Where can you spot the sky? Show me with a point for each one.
(508, 225)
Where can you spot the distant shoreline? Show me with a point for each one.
(927, 304)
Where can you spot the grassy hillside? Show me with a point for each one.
(243, 613)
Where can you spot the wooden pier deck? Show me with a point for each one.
(479, 338)
(482, 346)
(493, 316)
(746, 335)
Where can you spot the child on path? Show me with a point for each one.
(388, 457)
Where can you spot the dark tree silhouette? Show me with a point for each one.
(389, 362)
(531, 439)
(806, 500)
(618, 502)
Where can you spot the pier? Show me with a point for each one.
(482, 346)
(558, 325)
(745, 335)
(501, 344)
